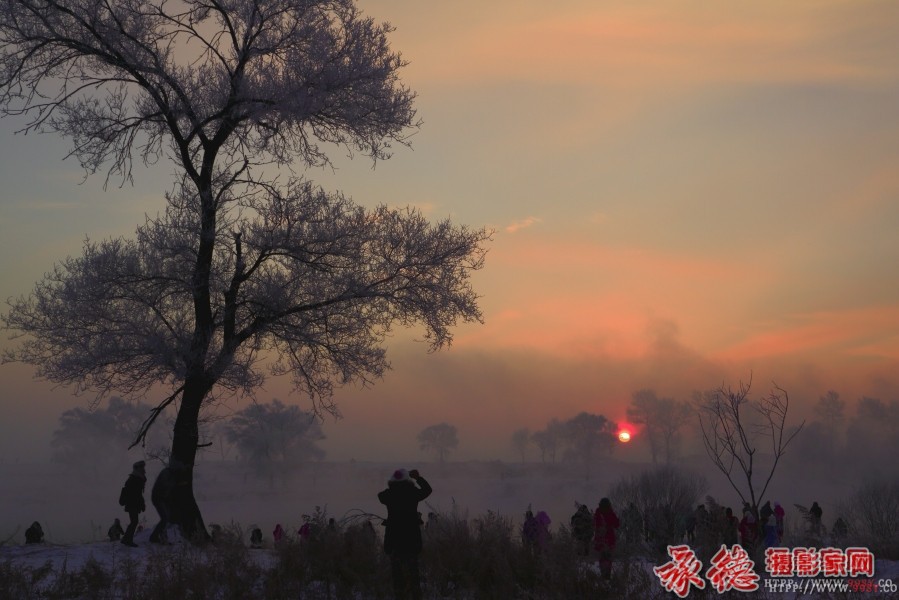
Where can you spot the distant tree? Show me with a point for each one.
(521, 442)
(662, 420)
(550, 440)
(811, 450)
(242, 273)
(588, 436)
(874, 431)
(440, 439)
(831, 411)
(94, 441)
(732, 435)
(274, 436)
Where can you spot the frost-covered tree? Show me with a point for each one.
(440, 440)
(275, 436)
(242, 273)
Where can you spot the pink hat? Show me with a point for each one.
(399, 476)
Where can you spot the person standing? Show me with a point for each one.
(582, 529)
(402, 538)
(748, 531)
(605, 522)
(779, 514)
(730, 526)
(132, 498)
(163, 498)
(815, 514)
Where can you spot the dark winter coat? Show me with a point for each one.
(605, 522)
(815, 512)
(403, 533)
(582, 524)
(133, 494)
(34, 534)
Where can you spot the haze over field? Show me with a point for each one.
(681, 196)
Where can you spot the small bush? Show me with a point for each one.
(872, 514)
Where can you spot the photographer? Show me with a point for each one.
(402, 539)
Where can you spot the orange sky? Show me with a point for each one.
(681, 194)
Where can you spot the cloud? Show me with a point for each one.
(522, 224)
(871, 332)
(626, 45)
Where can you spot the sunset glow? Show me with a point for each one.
(680, 195)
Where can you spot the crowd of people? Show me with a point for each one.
(595, 530)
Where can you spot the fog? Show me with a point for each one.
(486, 394)
(77, 503)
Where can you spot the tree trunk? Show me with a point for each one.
(184, 509)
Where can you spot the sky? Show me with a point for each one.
(683, 194)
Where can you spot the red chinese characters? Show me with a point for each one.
(860, 562)
(678, 574)
(732, 569)
(779, 562)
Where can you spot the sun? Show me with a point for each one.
(624, 436)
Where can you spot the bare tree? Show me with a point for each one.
(240, 264)
(732, 436)
(662, 418)
(521, 441)
(440, 439)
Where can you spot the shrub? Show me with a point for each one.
(872, 514)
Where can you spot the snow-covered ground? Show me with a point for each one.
(73, 557)
(75, 509)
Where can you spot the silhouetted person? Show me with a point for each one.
(730, 526)
(278, 533)
(304, 533)
(529, 529)
(814, 514)
(779, 514)
(605, 522)
(115, 531)
(34, 534)
(132, 498)
(582, 529)
(256, 538)
(840, 530)
(163, 497)
(402, 538)
(703, 520)
(749, 531)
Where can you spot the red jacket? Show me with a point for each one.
(605, 524)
